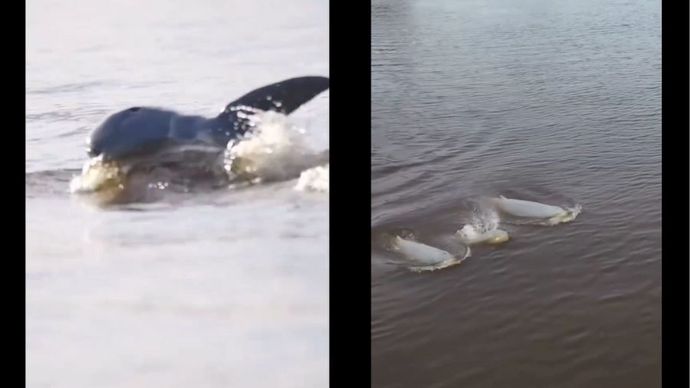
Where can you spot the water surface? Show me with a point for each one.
(216, 289)
(557, 102)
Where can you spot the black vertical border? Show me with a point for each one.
(350, 194)
(13, 170)
(675, 174)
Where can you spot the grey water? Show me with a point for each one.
(218, 289)
(555, 102)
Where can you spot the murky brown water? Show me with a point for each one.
(554, 102)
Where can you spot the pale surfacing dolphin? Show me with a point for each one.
(528, 209)
(426, 257)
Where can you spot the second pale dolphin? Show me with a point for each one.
(529, 209)
(425, 256)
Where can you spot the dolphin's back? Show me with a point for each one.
(142, 131)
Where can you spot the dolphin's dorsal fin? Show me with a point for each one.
(282, 97)
(502, 197)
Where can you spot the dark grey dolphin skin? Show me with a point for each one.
(147, 133)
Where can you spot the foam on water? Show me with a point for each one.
(97, 175)
(314, 179)
(484, 219)
(274, 150)
(469, 234)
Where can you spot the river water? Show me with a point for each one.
(555, 102)
(215, 289)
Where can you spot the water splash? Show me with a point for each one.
(274, 150)
(484, 219)
(483, 228)
(314, 179)
(97, 175)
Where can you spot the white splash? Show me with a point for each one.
(482, 228)
(96, 175)
(314, 179)
(470, 234)
(274, 150)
